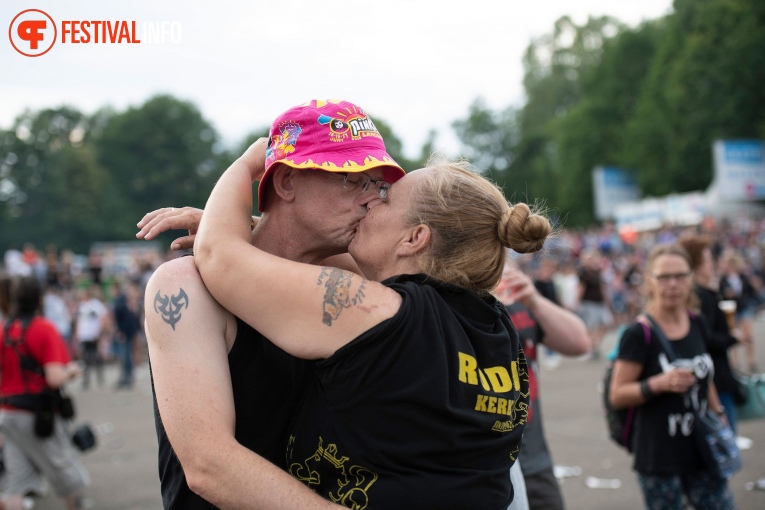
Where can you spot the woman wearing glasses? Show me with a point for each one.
(419, 395)
(668, 393)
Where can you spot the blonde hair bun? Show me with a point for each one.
(523, 230)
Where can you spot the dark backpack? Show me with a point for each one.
(620, 421)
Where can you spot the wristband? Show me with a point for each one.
(646, 390)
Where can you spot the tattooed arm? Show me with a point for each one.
(306, 310)
(189, 336)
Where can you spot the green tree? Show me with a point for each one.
(554, 67)
(519, 148)
(591, 133)
(651, 98)
(705, 83)
(554, 64)
(75, 199)
(162, 153)
(49, 180)
(490, 141)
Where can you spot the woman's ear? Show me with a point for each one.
(417, 241)
(281, 180)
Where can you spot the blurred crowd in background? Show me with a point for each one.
(95, 303)
(598, 272)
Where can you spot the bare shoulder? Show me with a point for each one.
(180, 269)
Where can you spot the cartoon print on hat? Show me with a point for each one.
(351, 120)
(334, 136)
(283, 143)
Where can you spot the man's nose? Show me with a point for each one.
(367, 196)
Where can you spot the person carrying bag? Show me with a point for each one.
(713, 436)
(45, 403)
(34, 365)
(668, 381)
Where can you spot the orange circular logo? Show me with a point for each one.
(32, 33)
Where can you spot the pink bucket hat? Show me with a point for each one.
(331, 135)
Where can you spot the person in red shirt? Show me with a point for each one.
(34, 360)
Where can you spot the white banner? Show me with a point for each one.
(652, 213)
(739, 169)
(611, 187)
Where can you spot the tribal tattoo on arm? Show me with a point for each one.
(338, 292)
(169, 307)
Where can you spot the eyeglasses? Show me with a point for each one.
(666, 278)
(361, 182)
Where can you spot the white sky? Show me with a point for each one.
(417, 64)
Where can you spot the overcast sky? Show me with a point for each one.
(418, 64)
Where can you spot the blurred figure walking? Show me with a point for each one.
(91, 322)
(735, 285)
(34, 363)
(127, 318)
(593, 307)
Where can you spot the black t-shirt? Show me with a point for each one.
(424, 410)
(663, 426)
(535, 455)
(268, 386)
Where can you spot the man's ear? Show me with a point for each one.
(281, 180)
(417, 241)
